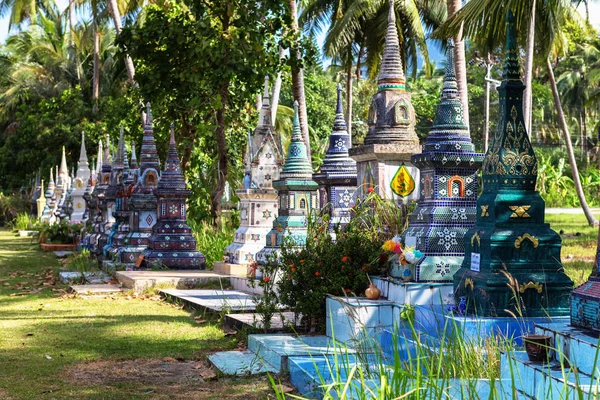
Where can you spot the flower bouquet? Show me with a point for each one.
(402, 259)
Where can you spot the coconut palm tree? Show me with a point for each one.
(483, 24)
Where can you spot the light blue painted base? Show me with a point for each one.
(240, 363)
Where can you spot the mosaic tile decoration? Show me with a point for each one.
(172, 244)
(447, 207)
(298, 196)
(142, 202)
(337, 177)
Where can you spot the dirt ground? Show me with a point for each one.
(168, 378)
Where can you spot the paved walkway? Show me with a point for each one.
(569, 210)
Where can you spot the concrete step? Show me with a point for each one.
(547, 380)
(183, 279)
(230, 301)
(96, 290)
(240, 363)
(277, 348)
(279, 321)
(577, 347)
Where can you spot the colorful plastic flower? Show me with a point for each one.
(410, 256)
(266, 279)
(398, 248)
(389, 245)
(418, 254)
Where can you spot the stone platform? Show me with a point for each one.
(231, 301)
(184, 279)
(96, 289)
(279, 322)
(426, 293)
(224, 268)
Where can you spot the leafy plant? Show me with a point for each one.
(82, 262)
(63, 232)
(24, 222)
(267, 303)
(212, 241)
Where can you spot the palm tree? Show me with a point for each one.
(298, 77)
(24, 10)
(483, 22)
(114, 9)
(460, 64)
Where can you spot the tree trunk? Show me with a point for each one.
(222, 164)
(349, 93)
(96, 76)
(563, 124)
(276, 89)
(298, 82)
(528, 71)
(459, 61)
(114, 12)
(72, 49)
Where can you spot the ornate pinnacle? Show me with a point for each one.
(296, 132)
(120, 159)
(391, 73)
(340, 122)
(512, 69)
(148, 114)
(134, 163)
(264, 118)
(83, 152)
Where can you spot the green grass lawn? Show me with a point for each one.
(579, 244)
(57, 346)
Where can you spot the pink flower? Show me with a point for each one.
(398, 249)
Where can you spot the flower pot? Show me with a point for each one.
(537, 347)
(372, 292)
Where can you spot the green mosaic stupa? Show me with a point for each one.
(297, 197)
(510, 235)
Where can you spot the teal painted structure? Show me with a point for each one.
(510, 235)
(297, 196)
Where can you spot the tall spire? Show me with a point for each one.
(449, 116)
(134, 163)
(337, 161)
(264, 118)
(297, 162)
(99, 158)
(83, 152)
(106, 159)
(172, 179)
(391, 73)
(120, 159)
(510, 162)
(64, 170)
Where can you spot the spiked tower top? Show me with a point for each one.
(64, 170)
(297, 163)
(134, 163)
(391, 73)
(171, 180)
(148, 155)
(99, 158)
(510, 162)
(264, 118)
(83, 159)
(120, 159)
(337, 159)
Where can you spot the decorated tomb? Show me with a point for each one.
(143, 202)
(80, 184)
(384, 160)
(449, 188)
(297, 196)
(510, 240)
(172, 244)
(258, 199)
(104, 219)
(337, 177)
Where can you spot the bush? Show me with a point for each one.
(62, 232)
(24, 222)
(340, 267)
(10, 207)
(210, 241)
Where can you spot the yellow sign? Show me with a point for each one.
(402, 183)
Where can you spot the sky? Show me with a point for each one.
(434, 52)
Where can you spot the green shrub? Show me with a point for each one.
(62, 232)
(340, 267)
(82, 262)
(210, 241)
(10, 207)
(24, 222)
